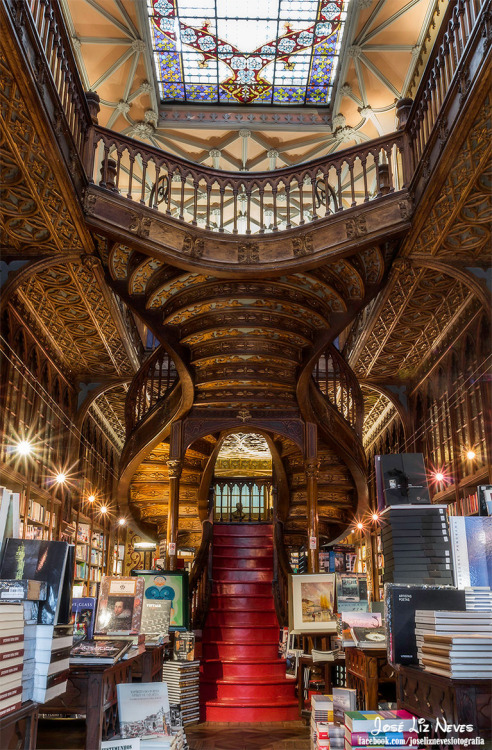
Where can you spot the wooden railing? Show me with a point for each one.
(152, 383)
(441, 70)
(243, 500)
(261, 202)
(201, 577)
(281, 572)
(46, 21)
(339, 385)
(235, 203)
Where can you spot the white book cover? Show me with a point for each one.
(143, 709)
(132, 743)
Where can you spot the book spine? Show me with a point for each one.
(460, 552)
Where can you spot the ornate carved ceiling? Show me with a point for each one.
(110, 407)
(383, 55)
(431, 296)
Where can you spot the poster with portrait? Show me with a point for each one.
(165, 599)
(312, 603)
(119, 609)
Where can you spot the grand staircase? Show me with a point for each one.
(242, 677)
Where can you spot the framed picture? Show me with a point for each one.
(168, 585)
(312, 603)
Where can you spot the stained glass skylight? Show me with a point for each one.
(280, 52)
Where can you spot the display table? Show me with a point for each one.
(366, 670)
(431, 696)
(18, 730)
(91, 691)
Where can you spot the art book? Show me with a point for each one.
(156, 611)
(143, 709)
(98, 652)
(350, 620)
(119, 609)
(369, 637)
(344, 699)
(471, 543)
(184, 646)
(351, 587)
(40, 561)
(83, 616)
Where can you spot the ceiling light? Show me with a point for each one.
(91, 498)
(103, 509)
(470, 455)
(24, 448)
(60, 478)
(375, 517)
(439, 476)
(360, 526)
(122, 521)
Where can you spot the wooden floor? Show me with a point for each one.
(289, 736)
(63, 735)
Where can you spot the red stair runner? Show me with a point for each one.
(242, 677)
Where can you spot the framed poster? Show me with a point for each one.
(312, 603)
(171, 586)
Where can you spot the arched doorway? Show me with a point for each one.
(243, 480)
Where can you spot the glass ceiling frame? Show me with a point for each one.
(256, 52)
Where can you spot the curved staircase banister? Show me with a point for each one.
(338, 383)
(200, 586)
(281, 572)
(154, 381)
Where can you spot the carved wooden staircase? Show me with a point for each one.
(242, 677)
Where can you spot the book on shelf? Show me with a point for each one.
(99, 651)
(369, 637)
(143, 709)
(384, 721)
(40, 561)
(119, 609)
(83, 615)
(9, 515)
(485, 499)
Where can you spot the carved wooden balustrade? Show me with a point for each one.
(153, 382)
(47, 27)
(257, 203)
(281, 572)
(339, 385)
(448, 53)
(200, 587)
(243, 500)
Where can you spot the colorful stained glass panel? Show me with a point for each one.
(256, 52)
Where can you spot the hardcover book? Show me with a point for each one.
(404, 479)
(344, 699)
(369, 637)
(157, 602)
(119, 609)
(143, 709)
(184, 647)
(40, 561)
(401, 604)
(471, 543)
(83, 615)
(351, 587)
(98, 652)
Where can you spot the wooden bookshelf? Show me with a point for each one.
(90, 541)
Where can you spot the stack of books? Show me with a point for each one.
(52, 644)
(381, 729)
(327, 736)
(430, 622)
(478, 598)
(321, 713)
(183, 682)
(11, 656)
(416, 545)
(460, 656)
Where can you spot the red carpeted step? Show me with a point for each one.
(247, 651)
(242, 563)
(242, 678)
(233, 711)
(227, 669)
(243, 529)
(228, 588)
(238, 618)
(246, 690)
(255, 603)
(257, 634)
(243, 553)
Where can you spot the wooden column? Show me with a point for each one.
(174, 467)
(311, 467)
